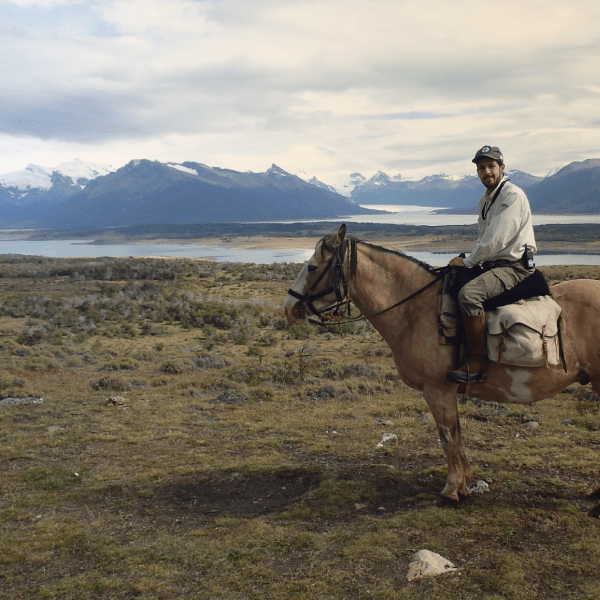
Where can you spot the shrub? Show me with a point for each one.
(177, 367)
(113, 384)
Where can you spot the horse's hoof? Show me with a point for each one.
(595, 512)
(445, 502)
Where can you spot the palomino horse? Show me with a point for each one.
(399, 296)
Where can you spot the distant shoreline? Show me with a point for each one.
(563, 238)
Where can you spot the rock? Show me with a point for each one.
(388, 438)
(54, 428)
(425, 418)
(25, 400)
(532, 425)
(387, 422)
(566, 422)
(481, 487)
(426, 563)
(116, 401)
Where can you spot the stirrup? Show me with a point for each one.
(463, 375)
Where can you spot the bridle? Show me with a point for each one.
(336, 275)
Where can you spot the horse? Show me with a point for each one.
(398, 295)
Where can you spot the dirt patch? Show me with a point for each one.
(235, 494)
(238, 494)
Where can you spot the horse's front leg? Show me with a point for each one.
(443, 406)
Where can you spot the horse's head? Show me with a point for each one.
(317, 287)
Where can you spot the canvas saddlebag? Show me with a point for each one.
(525, 334)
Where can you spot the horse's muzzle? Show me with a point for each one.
(295, 315)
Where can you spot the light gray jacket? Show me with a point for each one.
(506, 228)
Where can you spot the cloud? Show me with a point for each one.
(325, 87)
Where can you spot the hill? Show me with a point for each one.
(575, 189)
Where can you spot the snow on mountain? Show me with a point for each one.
(553, 171)
(36, 177)
(315, 181)
(32, 176)
(381, 178)
(182, 168)
(275, 171)
(81, 170)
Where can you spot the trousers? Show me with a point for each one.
(490, 284)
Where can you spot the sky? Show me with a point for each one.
(326, 89)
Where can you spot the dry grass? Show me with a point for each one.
(192, 445)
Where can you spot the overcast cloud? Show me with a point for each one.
(326, 88)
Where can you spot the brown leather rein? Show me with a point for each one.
(336, 275)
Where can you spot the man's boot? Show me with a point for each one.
(474, 370)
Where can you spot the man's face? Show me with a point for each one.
(490, 172)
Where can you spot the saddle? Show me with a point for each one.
(523, 322)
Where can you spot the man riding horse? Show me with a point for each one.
(501, 258)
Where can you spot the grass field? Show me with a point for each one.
(164, 434)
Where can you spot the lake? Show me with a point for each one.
(403, 215)
(71, 248)
(419, 215)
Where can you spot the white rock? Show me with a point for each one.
(425, 418)
(26, 400)
(481, 487)
(388, 438)
(426, 563)
(387, 422)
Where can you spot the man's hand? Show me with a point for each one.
(458, 261)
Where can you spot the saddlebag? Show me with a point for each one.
(525, 334)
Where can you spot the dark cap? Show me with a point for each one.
(492, 152)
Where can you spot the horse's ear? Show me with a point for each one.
(337, 238)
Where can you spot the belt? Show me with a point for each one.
(488, 265)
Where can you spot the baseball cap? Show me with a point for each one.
(492, 152)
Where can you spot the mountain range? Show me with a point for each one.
(439, 191)
(80, 194)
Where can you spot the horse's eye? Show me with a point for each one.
(312, 268)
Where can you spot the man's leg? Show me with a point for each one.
(475, 369)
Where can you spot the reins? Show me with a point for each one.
(342, 298)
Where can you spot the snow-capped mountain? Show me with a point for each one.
(440, 191)
(315, 181)
(150, 192)
(36, 184)
(343, 185)
(80, 194)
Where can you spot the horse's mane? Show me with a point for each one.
(398, 253)
(351, 241)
